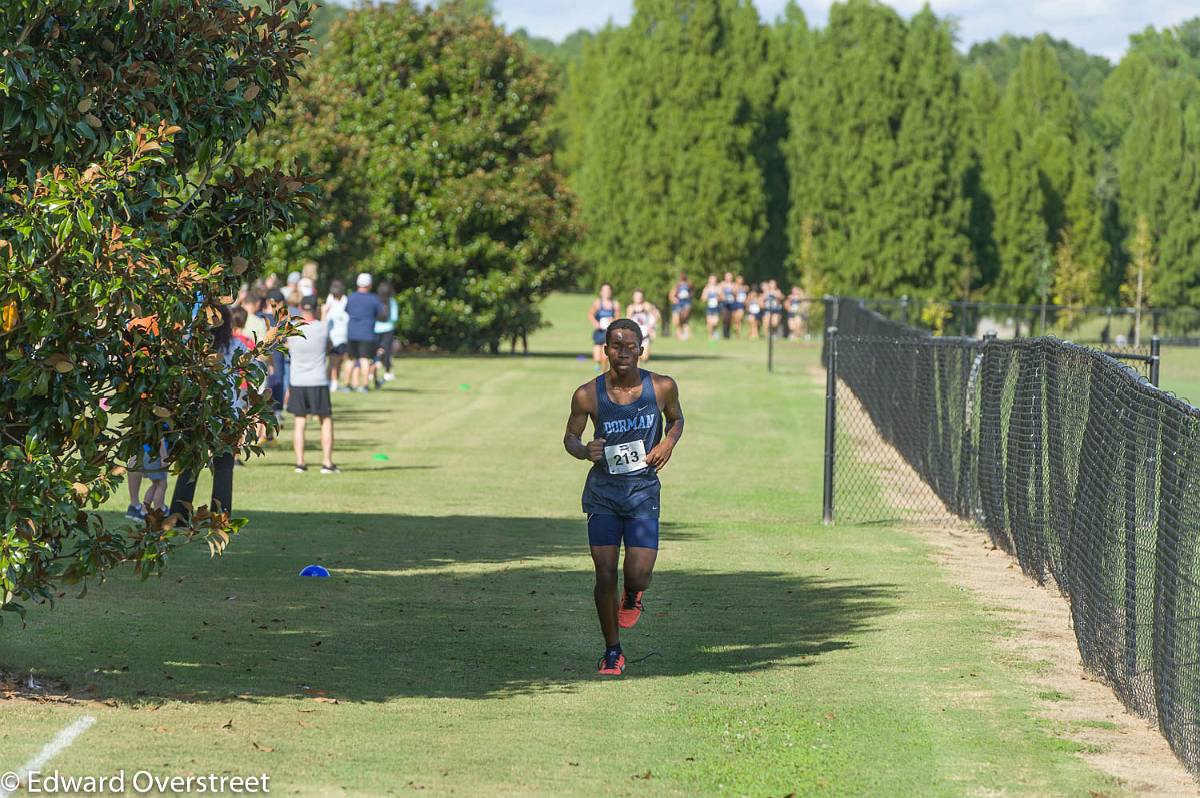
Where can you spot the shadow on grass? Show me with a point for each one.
(456, 607)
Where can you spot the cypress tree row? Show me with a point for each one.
(933, 155)
(668, 176)
(868, 157)
(846, 106)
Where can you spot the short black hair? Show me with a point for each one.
(623, 324)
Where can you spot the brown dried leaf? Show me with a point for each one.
(84, 105)
(230, 84)
(251, 92)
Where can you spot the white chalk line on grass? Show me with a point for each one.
(52, 749)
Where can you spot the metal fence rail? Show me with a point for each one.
(1073, 463)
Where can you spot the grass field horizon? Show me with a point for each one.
(454, 648)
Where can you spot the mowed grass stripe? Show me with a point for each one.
(458, 633)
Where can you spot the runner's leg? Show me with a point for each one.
(639, 568)
(605, 592)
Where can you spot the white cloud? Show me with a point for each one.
(1099, 26)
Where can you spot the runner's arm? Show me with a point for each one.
(592, 314)
(576, 424)
(668, 394)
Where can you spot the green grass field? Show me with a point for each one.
(454, 649)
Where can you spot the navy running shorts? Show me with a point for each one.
(610, 530)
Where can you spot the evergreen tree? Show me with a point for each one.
(982, 100)
(846, 107)
(771, 259)
(573, 112)
(1150, 120)
(669, 178)
(932, 209)
(1087, 72)
(1039, 173)
(1158, 162)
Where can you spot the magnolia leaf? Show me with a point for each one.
(161, 411)
(251, 92)
(240, 264)
(9, 317)
(230, 84)
(84, 105)
(93, 120)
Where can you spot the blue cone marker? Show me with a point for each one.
(315, 570)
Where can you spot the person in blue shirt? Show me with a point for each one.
(364, 309)
(681, 307)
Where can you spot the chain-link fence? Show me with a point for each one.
(1073, 463)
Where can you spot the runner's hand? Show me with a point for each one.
(659, 455)
(595, 449)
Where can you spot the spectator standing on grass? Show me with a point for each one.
(333, 312)
(364, 309)
(152, 467)
(385, 329)
(255, 327)
(228, 347)
(308, 394)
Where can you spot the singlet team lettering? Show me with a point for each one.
(629, 424)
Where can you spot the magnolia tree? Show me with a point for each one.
(121, 234)
(428, 127)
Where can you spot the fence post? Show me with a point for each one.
(1155, 359)
(830, 419)
(904, 308)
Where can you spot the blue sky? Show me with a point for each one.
(1099, 26)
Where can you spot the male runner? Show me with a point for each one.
(629, 446)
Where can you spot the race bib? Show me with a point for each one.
(605, 322)
(712, 301)
(625, 458)
(684, 293)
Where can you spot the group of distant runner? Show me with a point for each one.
(731, 306)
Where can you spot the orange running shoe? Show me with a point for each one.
(611, 664)
(630, 610)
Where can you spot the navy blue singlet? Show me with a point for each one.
(634, 494)
(605, 312)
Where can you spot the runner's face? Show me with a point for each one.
(623, 351)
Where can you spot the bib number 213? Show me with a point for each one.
(625, 458)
